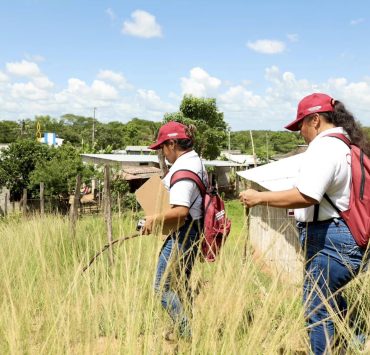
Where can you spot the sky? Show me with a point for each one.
(138, 58)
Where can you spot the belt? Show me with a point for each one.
(326, 221)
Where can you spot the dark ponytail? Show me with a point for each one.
(341, 117)
(187, 143)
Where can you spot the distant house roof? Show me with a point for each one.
(231, 151)
(139, 173)
(241, 158)
(139, 158)
(221, 163)
(122, 158)
(138, 148)
(275, 176)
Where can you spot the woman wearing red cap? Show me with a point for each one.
(332, 256)
(179, 251)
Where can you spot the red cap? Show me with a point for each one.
(171, 130)
(311, 104)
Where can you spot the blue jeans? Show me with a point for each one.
(176, 261)
(332, 259)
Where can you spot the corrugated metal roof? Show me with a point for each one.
(220, 163)
(138, 148)
(124, 157)
(141, 170)
(153, 158)
(241, 158)
(275, 176)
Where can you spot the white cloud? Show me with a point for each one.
(267, 46)
(43, 82)
(269, 105)
(84, 95)
(110, 13)
(115, 78)
(143, 24)
(3, 77)
(103, 91)
(200, 83)
(153, 102)
(293, 37)
(356, 21)
(237, 98)
(23, 68)
(28, 91)
(34, 57)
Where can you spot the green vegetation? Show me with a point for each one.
(210, 124)
(28, 162)
(48, 307)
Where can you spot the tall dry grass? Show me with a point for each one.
(48, 307)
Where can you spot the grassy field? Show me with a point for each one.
(49, 307)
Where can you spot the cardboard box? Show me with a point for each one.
(154, 199)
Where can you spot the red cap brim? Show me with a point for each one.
(293, 126)
(155, 146)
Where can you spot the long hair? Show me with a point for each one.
(187, 143)
(341, 117)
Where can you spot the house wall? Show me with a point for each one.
(274, 238)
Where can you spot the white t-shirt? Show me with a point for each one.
(325, 168)
(186, 192)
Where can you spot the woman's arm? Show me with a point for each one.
(175, 214)
(292, 198)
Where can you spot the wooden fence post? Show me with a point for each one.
(24, 202)
(236, 182)
(108, 208)
(119, 204)
(42, 201)
(73, 212)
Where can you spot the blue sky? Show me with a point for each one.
(138, 58)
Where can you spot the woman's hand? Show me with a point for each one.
(149, 224)
(250, 198)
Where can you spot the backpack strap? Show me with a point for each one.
(185, 174)
(340, 136)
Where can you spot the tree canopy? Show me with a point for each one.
(17, 162)
(210, 124)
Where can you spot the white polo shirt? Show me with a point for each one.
(325, 168)
(186, 192)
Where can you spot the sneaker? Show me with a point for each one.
(170, 336)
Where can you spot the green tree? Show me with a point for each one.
(59, 173)
(17, 162)
(9, 131)
(210, 124)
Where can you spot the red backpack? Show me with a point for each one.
(357, 217)
(216, 225)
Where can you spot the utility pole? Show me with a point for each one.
(93, 130)
(229, 141)
(254, 154)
